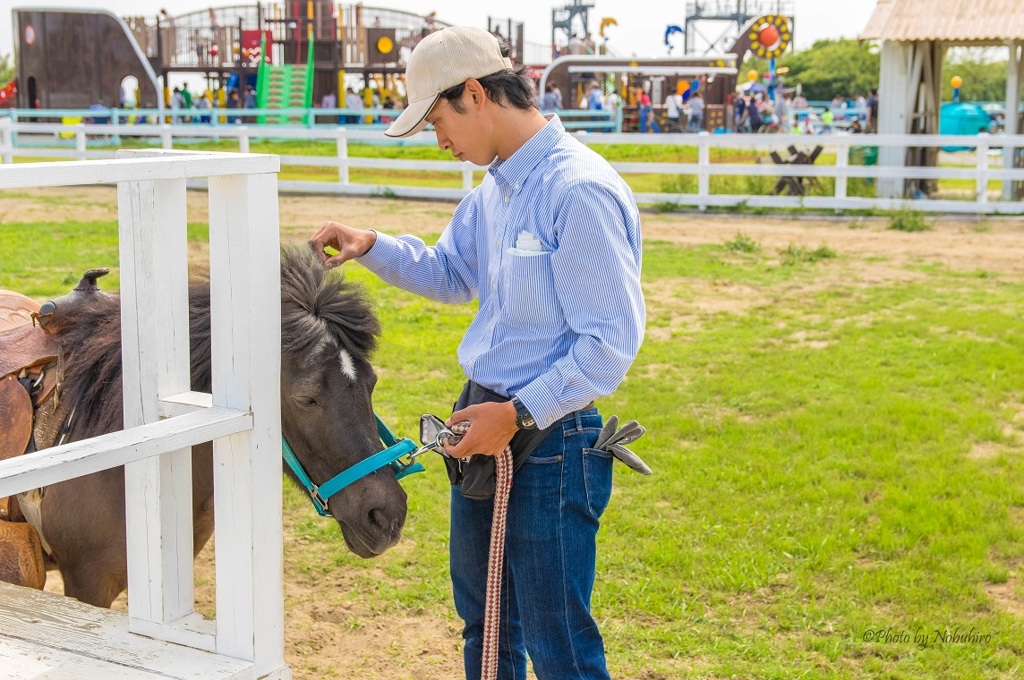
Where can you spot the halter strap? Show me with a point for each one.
(389, 457)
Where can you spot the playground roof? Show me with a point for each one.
(989, 21)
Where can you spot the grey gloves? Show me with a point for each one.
(614, 443)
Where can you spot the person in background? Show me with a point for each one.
(552, 99)
(354, 102)
(647, 122)
(673, 112)
(234, 103)
(696, 113)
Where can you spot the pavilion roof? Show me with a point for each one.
(975, 21)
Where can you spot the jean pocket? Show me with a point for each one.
(530, 291)
(597, 480)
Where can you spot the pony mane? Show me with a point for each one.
(317, 307)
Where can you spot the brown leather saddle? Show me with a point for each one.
(29, 386)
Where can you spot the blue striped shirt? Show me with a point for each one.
(558, 325)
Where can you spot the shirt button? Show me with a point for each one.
(494, 286)
(497, 242)
(516, 187)
(506, 199)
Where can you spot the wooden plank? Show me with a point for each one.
(117, 448)
(46, 635)
(76, 173)
(245, 290)
(155, 357)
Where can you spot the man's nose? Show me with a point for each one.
(443, 142)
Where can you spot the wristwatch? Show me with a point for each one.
(524, 421)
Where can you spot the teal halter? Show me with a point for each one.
(389, 457)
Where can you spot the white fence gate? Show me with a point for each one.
(45, 635)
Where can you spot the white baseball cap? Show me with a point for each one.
(442, 60)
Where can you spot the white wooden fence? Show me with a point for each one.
(163, 418)
(979, 169)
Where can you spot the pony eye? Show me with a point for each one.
(307, 401)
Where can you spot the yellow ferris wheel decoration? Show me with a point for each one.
(770, 35)
(385, 44)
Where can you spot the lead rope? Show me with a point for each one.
(492, 606)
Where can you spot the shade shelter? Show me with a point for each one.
(915, 35)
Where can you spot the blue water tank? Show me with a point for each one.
(962, 119)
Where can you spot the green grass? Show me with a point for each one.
(815, 454)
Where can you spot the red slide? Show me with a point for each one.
(7, 94)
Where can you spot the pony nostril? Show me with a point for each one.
(379, 520)
(385, 523)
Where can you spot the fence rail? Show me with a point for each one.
(995, 159)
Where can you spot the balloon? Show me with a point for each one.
(956, 81)
(752, 75)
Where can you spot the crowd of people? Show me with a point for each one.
(751, 111)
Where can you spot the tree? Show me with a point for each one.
(984, 76)
(7, 72)
(830, 67)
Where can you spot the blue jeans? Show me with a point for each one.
(694, 124)
(557, 499)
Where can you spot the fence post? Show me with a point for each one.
(115, 121)
(243, 139)
(7, 140)
(341, 136)
(704, 164)
(166, 140)
(842, 163)
(981, 187)
(80, 141)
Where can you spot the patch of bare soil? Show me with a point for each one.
(330, 636)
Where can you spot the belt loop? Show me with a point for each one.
(579, 420)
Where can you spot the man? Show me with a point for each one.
(673, 109)
(550, 244)
(696, 113)
(552, 99)
(353, 102)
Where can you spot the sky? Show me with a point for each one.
(637, 32)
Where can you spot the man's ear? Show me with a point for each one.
(476, 92)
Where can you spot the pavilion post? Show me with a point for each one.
(1014, 76)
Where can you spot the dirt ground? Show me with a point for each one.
(327, 637)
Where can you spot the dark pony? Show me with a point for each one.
(329, 332)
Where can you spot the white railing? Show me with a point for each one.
(887, 179)
(241, 416)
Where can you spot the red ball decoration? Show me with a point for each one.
(214, 50)
(768, 36)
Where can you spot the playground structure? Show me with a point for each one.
(311, 49)
(293, 54)
(315, 45)
(715, 74)
(711, 25)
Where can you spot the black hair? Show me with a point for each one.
(507, 88)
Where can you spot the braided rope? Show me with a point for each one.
(492, 606)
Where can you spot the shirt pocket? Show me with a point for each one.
(530, 291)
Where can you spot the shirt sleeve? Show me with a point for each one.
(448, 271)
(596, 271)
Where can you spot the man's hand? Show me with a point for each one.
(492, 426)
(348, 241)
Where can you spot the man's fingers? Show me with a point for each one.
(335, 261)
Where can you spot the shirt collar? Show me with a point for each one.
(514, 169)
